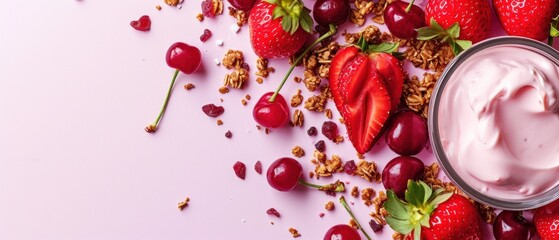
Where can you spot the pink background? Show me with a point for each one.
(77, 87)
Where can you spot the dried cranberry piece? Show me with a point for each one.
(320, 146)
(258, 167)
(228, 134)
(206, 35)
(312, 131)
(375, 226)
(240, 169)
(212, 110)
(245, 66)
(350, 167)
(330, 130)
(143, 24)
(208, 8)
(273, 211)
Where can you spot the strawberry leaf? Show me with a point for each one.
(293, 15)
(454, 31)
(401, 226)
(385, 47)
(450, 35)
(286, 24)
(395, 206)
(306, 21)
(554, 32)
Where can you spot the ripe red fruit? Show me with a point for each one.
(391, 71)
(399, 171)
(407, 133)
(527, 18)
(546, 220)
(448, 215)
(402, 18)
(284, 173)
(473, 17)
(184, 57)
(269, 39)
(326, 12)
(244, 5)
(271, 114)
(142, 24)
(360, 95)
(342, 232)
(511, 225)
(240, 169)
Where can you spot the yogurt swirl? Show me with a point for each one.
(498, 122)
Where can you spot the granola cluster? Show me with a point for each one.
(240, 15)
(431, 55)
(371, 34)
(262, 67)
(317, 65)
(173, 3)
(298, 118)
(317, 103)
(294, 232)
(379, 212)
(326, 167)
(362, 8)
(368, 171)
(297, 151)
(234, 59)
(367, 195)
(417, 93)
(296, 99)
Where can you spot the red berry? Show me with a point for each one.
(212, 110)
(258, 167)
(402, 24)
(320, 146)
(330, 130)
(511, 225)
(273, 211)
(206, 35)
(342, 232)
(284, 173)
(271, 114)
(184, 57)
(143, 24)
(240, 169)
(244, 5)
(399, 170)
(350, 167)
(407, 133)
(326, 12)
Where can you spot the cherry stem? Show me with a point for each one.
(337, 186)
(153, 127)
(344, 203)
(408, 8)
(331, 32)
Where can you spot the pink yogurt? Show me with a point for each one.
(497, 122)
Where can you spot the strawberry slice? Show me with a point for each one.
(365, 117)
(391, 70)
(353, 78)
(338, 62)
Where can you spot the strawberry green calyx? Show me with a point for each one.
(293, 14)
(450, 35)
(385, 47)
(554, 31)
(411, 215)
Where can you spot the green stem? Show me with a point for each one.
(309, 184)
(153, 126)
(550, 41)
(408, 8)
(330, 33)
(344, 203)
(338, 186)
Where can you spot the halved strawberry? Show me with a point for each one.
(365, 116)
(338, 62)
(353, 78)
(391, 70)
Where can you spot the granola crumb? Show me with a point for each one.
(398, 236)
(379, 212)
(355, 191)
(233, 59)
(189, 86)
(417, 93)
(328, 113)
(326, 167)
(298, 151)
(236, 79)
(200, 17)
(267, 131)
(297, 79)
(219, 122)
(298, 118)
(294, 232)
(223, 90)
(247, 97)
(353, 224)
(158, 7)
(184, 203)
(296, 99)
(339, 139)
(262, 67)
(368, 171)
(173, 3)
(240, 15)
(330, 206)
(367, 195)
(259, 80)
(244, 102)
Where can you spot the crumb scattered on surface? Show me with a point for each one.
(379, 212)
(158, 7)
(352, 223)
(233, 59)
(236, 79)
(223, 90)
(296, 99)
(297, 79)
(200, 17)
(240, 15)
(330, 206)
(294, 232)
(298, 118)
(219, 122)
(355, 191)
(262, 67)
(183, 204)
(328, 113)
(297, 151)
(244, 102)
(189, 86)
(173, 3)
(367, 195)
(259, 80)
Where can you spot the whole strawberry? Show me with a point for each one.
(546, 220)
(433, 214)
(278, 28)
(527, 18)
(473, 17)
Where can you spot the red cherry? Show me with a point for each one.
(143, 24)
(326, 12)
(407, 133)
(184, 57)
(403, 18)
(284, 173)
(244, 5)
(342, 232)
(399, 170)
(271, 114)
(511, 225)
